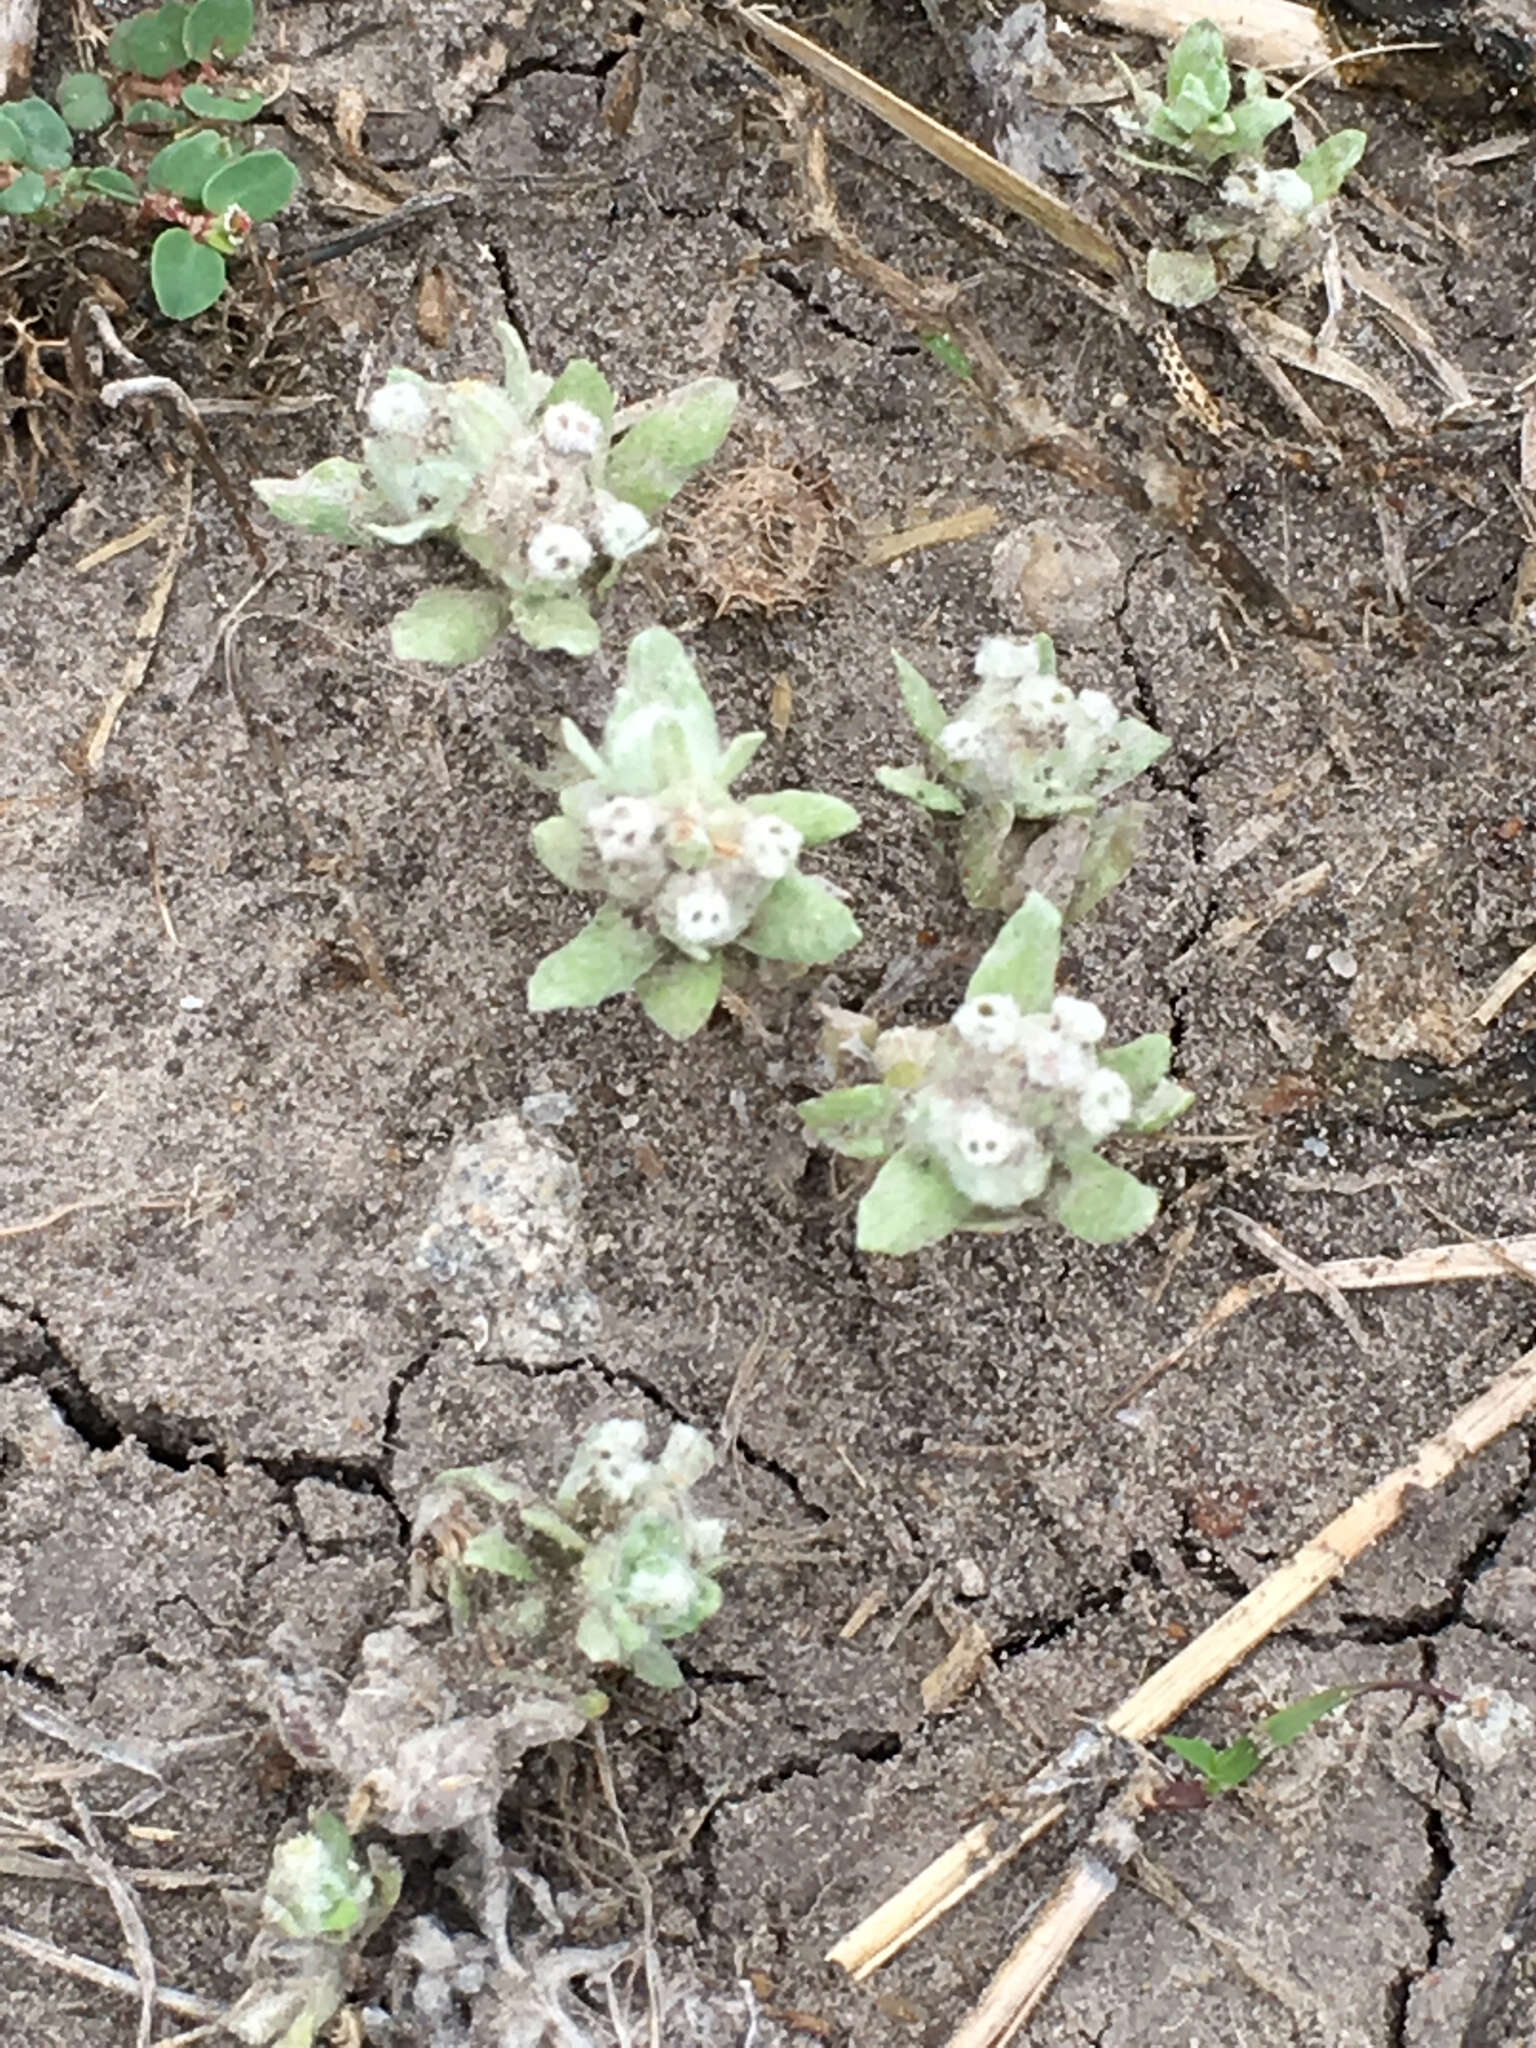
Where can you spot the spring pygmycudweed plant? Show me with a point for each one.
(537, 480)
(1197, 125)
(616, 1566)
(1029, 762)
(993, 1120)
(203, 190)
(692, 877)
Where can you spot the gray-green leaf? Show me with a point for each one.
(564, 625)
(1021, 961)
(650, 463)
(921, 699)
(448, 626)
(816, 816)
(1326, 167)
(491, 1552)
(912, 782)
(1182, 277)
(853, 1121)
(582, 383)
(560, 845)
(331, 499)
(604, 959)
(1101, 1203)
(801, 920)
(911, 1203)
(680, 995)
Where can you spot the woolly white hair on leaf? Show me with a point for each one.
(1103, 1103)
(1051, 1059)
(569, 429)
(559, 554)
(622, 528)
(770, 846)
(990, 1023)
(399, 408)
(1099, 710)
(1077, 1020)
(1000, 660)
(624, 828)
(700, 912)
(963, 739)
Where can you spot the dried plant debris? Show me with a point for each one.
(767, 537)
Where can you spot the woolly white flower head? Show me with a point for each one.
(1051, 1059)
(612, 1458)
(963, 739)
(669, 1588)
(1103, 1103)
(1042, 697)
(1077, 1020)
(558, 554)
(622, 528)
(990, 1159)
(399, 408)
(990, 1023)
(983, 1138)
(770, 846)
(624, 829)
(1098, 709)
(999, 660)
(700, 912)
(569, 429)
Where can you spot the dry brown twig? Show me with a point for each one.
(1024, 1978)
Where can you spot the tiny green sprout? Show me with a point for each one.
(943, 347)
(693, 878)
(1029, 762)
(203, 191)
(993, 1121)
(538, 480)
(1197, 124)
(613, 1568)
(1223, 1770)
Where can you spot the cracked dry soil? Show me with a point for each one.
(223, 1379)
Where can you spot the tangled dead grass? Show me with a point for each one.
(769, 536)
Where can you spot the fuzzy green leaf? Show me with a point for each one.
(187, 276)
(25, 194)
(912, 782)
(329, 500)
(491, 1552)
(1101, 1203)
(1255, 120)
(801, 920)
(1141, 1062)
(911, 1203)
(112, 183)
(816, 816)
(260, 184)
(46, 143)
(1182, 277)
(597, 1640)
(739, 756)
(210, 105)
(1326, 167)
(1021, 961)
(564, 625)
(1199, 59)
(1114, 840)
(1284, 1726)
(12, 141)
(680, 995)
(448, 626)
(604, 959)
(153, 43)
(521, 385)
(652, 461)
(853, 1121)
(582, 383)
(221, 27)
(545, 1522)
(84, 101)
(560, 845)
(185, 165)
(662, 725)
(927, 714)
(1194, 1749)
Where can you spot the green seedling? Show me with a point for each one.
(695, 882)
(321, 1905)
(200, 192)
(993, 1121)
(1029, 763)
(538, 480)
(1197, 125)
(616, 1566)
(1223, 1770)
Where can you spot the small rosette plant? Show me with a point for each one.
(201, 193)
(538, 480)
(1029, 762)
(692, 878)
(1197, 124)
(994, 1120)
(617, 1566)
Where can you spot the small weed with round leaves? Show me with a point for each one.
(994, 1120)
(1028, 762)
(540, 481)
(693, 879)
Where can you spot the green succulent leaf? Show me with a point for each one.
(153, 43)
(46, 143)
(656, 1666)
(604, 959)
(329, 500)
(911, 1203)
(1327, 166)
(801, 920)
(261, 183)
(1182, 277)
(25, 194)
(558, 624)
(680, 995)
(560, 846)
(448, 626)
(1102, 1203)
(652, 461)
(582, 383)
(739, 756)
(816, 816)
(84, 101)
(112, 183)
(491, 1552)
(854, 1121)
(217, 28)
(921, 699)
(210, 105)
(1021, 961)
(187, 276)
(153, 114)
(12, 141)
(912, 782)
(185, 165)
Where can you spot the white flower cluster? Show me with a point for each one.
(1020, 1090)
(700, 872)
(519, 494)
(1023, 737)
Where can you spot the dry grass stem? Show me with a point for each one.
(1306, 1275)
(932, 533)
(1505, 989)
(183, 2004)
